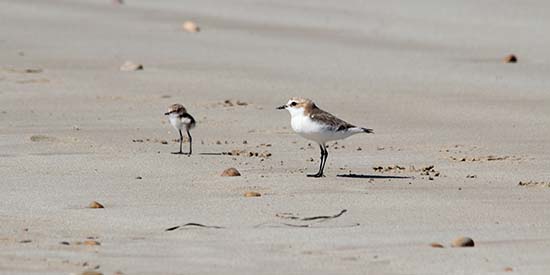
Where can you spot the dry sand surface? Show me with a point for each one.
(427, 76)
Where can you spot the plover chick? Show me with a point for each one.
(314, 124)
(182, 121)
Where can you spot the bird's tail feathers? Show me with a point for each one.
(367, 130)
(361, 130)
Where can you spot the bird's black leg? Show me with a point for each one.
(320, 173)
(190, 143)
(181, 141)
(325, 161)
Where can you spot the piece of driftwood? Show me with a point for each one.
(313, 220)
(193, 224)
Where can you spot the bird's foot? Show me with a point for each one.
(318, 175)
(178, 153)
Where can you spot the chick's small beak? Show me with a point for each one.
(166, 113)
(281, 107)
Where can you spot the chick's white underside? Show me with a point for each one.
(180, 123)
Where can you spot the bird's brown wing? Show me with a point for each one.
(330, 120)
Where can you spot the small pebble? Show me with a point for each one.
(91, 242)
(190, 26)
(436, 245)
(510, 59)
(129, 66)
(139, 178)
(33, 71)
(462, 242)
(65, 243)
(39, 138)
(508, 269)
(230, 172)
(25, 241)
(95, 204)
(250, 194)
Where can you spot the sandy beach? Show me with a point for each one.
(456, 131)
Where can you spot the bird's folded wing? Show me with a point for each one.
(330, 120)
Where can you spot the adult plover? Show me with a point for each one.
(314, 124)
(181, 120)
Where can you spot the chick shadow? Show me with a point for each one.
(365, 176)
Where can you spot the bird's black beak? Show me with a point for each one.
(281, 107)
(166, 113)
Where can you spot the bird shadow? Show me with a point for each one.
(212, 154)
(364, 176)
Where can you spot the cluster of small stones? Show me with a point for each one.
(392, 168)
(534, 183)
(486, 158)
(424, 171)
(237, 152)
(229, 103)
(161, 141)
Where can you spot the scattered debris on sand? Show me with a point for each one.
(391, 168)
(23, 71)
(424, 171)
(230, 103)
(534, 183)
(33, 71)
(245, 153)
(485, 158)
(153, 140)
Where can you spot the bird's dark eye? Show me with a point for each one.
(293, 103)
